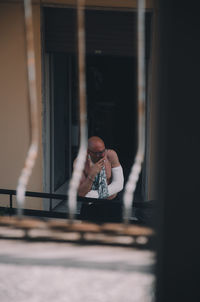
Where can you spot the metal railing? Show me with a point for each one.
(49, 196)
(115, 204)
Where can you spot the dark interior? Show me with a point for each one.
(111, 101)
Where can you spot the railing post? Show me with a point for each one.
(11, 204)
(50, 205)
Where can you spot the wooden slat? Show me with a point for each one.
(129, 4)
(116, 229)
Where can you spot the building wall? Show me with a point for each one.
(14, 113)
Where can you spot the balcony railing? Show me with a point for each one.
(113, 208)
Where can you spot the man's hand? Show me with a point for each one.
(96, 168)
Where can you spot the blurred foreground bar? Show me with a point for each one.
(178, 222)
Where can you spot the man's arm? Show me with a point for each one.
(85, 185)
(116, 185)
(117, 175)
(87, 180)
(113, 158)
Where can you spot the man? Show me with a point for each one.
(103, 175)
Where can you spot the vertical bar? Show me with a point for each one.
(50, 204)
(51, 174)
(11, 204)
(33, 149)
(177, 150)
(70, 112)
(79, 166)
(137, 166)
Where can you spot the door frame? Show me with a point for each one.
(48, 134)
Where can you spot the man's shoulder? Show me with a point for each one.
(113, 158)
(111, 153)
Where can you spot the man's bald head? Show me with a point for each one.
(96, 148)
(95, 141)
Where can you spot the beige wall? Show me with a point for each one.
(14, 113)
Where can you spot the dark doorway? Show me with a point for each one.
(111, 102)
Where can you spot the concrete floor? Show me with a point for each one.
(62, 272)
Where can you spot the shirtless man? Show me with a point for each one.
(102, 176)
